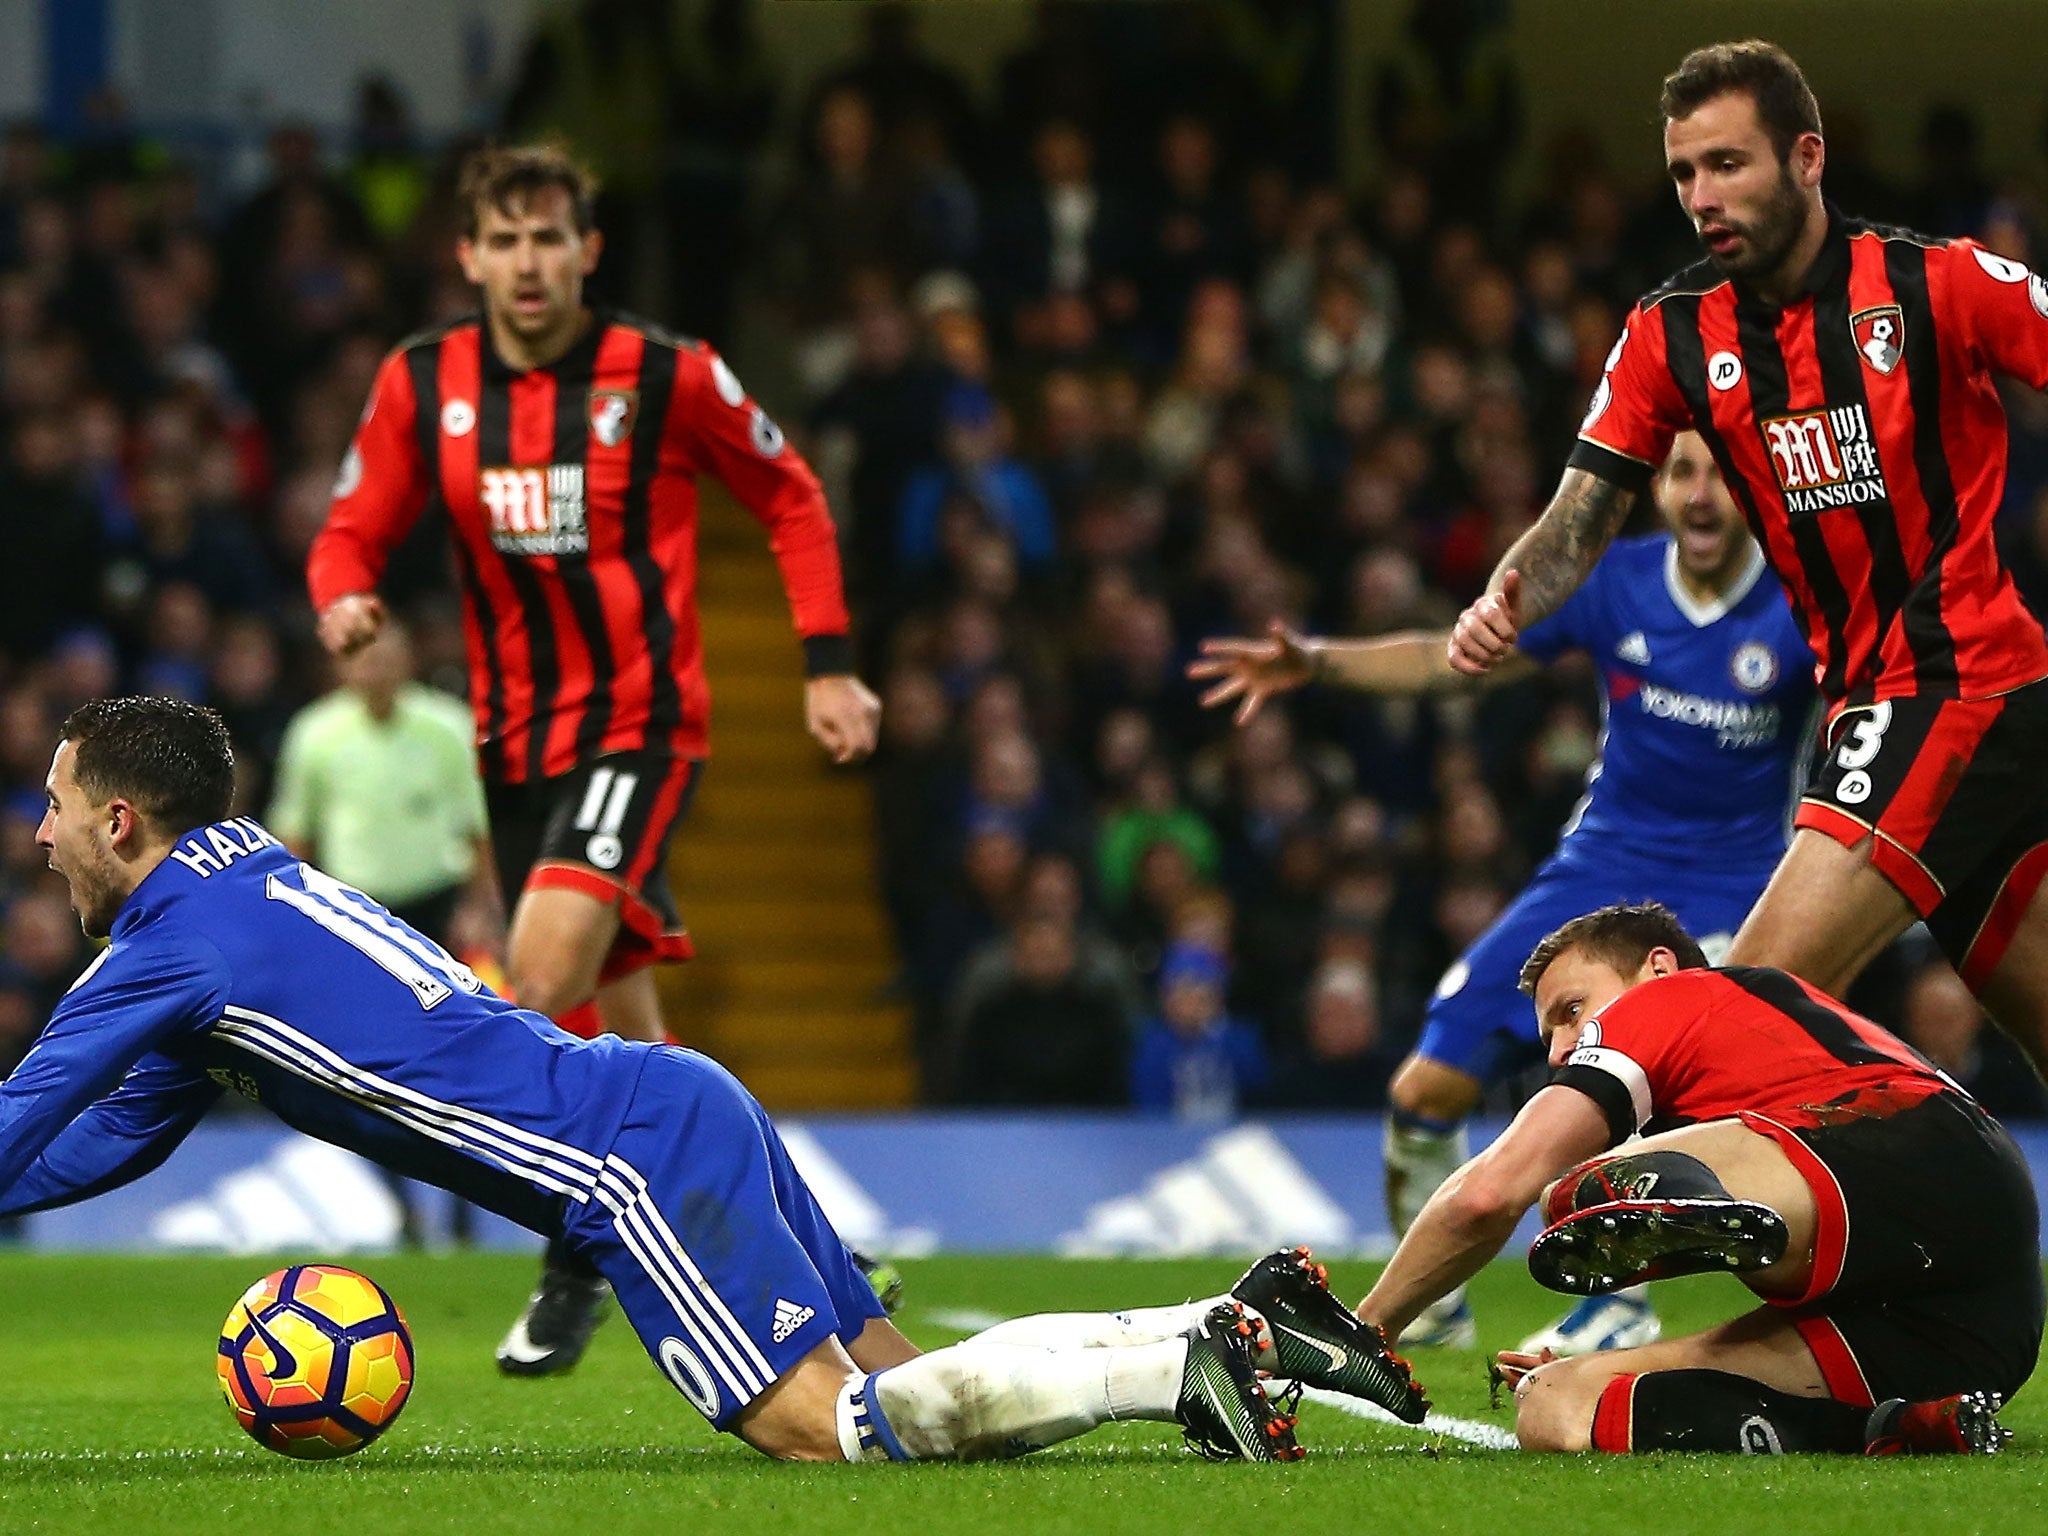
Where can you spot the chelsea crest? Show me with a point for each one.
(1754, 666)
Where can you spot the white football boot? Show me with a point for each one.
(1620, 1321)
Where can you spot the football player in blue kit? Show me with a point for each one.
(1707, 687)
(231, 964)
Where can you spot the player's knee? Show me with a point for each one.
(557, 950)
(548, 981)
(1555, 1403)
(542, 993)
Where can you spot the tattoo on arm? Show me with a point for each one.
(1555, 556)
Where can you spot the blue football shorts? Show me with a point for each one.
(717, 1250)
(1478, 1020)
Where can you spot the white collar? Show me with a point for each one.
(1703, 614)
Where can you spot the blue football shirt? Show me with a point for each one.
(235, 966)
(1708, 709)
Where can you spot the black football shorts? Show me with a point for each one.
(603, 828)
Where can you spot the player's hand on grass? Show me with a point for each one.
(1512, 1366)
(1255, 670)
(843, 716)
(349, 623)
(1487, 631)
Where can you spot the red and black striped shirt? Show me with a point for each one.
(1704, 1045)
(572, 504)
(1859, 429)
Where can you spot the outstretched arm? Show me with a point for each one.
(1467, 1221)
(1543, 568)
(118, 1139)
(144, 990)
(1254, 671)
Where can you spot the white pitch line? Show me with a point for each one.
(1472, 1431)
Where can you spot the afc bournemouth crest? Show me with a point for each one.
(1879, 334)
(612, 413)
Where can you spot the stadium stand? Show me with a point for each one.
(1092, 372)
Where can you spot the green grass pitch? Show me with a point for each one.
(110, 1422)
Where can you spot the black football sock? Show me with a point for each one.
(1717, 1411)
(565, 1262)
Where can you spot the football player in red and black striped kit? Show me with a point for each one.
(1842, 375)
(564, 446)
(1887, 1222)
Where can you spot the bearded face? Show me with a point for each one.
(1767, 237)
(1749, 201)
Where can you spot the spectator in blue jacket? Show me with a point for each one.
(981, 468)
(1193, 1060)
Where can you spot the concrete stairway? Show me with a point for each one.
(774, 868)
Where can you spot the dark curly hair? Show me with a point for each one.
(505, 176)
(1766, 72)
(1621, 936)
(170, 759)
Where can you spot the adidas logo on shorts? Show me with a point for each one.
(788, 1318)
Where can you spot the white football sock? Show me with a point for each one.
(1098, 1330)
(979, 1400)
(1420, 1158)
(1115, 1330)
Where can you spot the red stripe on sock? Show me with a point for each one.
(1614, 1418)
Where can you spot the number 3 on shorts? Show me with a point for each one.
(1858, 749)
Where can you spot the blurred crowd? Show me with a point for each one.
(180, 372)
(1092, 370)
